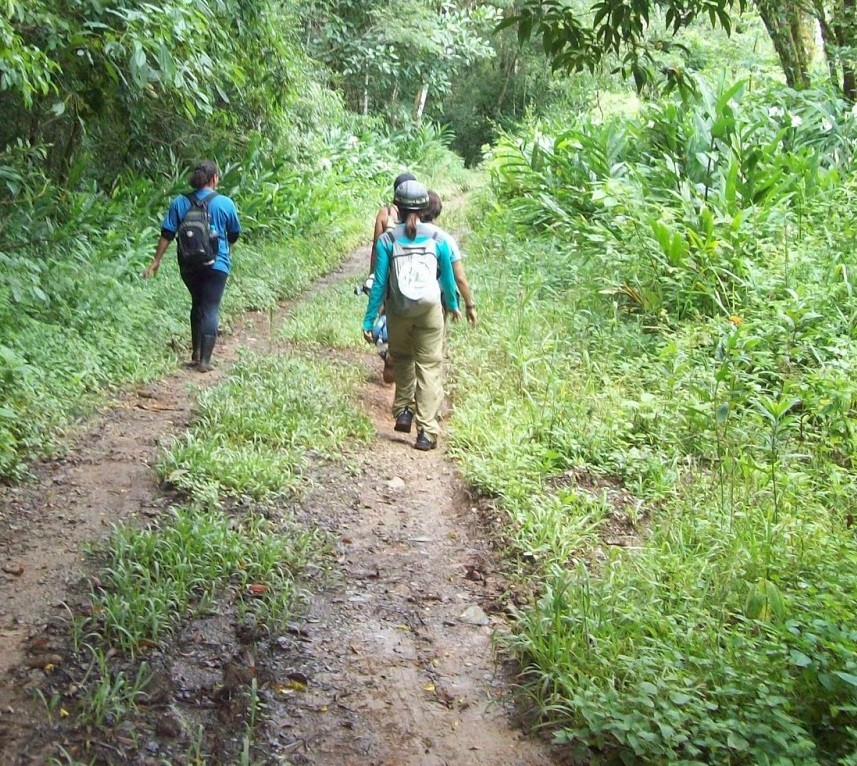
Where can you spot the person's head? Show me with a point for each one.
(401, 178)
(205, 174)
(434, 208)
(411, 199)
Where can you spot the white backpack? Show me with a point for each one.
(412, 287)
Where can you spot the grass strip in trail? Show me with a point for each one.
(330, 319)
(720, 628)
(253, 434)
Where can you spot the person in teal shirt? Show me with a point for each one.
(415, 342)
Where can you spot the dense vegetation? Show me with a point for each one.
(660, 394)
(668, 386)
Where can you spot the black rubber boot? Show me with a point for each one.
(195, 340)
(205, 350)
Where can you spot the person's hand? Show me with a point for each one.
(455, 316)
(367, 336)
(471, 315)
(151, 270)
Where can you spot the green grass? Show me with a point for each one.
(158, 577)
(330, 318)
(725, 634)
(254, 434)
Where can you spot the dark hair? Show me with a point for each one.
(401, 178)
(411, 221)
(434, 209)
(203, 173)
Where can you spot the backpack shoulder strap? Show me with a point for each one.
(437, 241)
(197, 202)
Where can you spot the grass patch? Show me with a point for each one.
(157, 577)
(254, 434)
(328, 318)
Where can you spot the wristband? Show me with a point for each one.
(470, 305)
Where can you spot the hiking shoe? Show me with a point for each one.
(423, 442)
(404, 421)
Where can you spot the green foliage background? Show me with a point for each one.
(667, 382)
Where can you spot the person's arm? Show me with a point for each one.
(464, 288)
(170, 226)
(233, 226)
(163, 244)
(379, 285)
(380, 227)
(447, 281)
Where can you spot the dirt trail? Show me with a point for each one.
(396, 654)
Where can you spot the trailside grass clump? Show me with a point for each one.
(255, 433)
(157, 577)
(706, 374)
(330, 318)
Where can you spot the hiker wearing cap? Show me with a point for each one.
(207, 225)
(387, 218)
(407, 261)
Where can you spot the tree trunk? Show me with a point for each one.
(784, 22)
(366, 93)
(849, 22)
(828, 40)
(843, 25)
(420, 103)
(507, 74)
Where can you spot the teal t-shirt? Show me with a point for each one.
(383, 251)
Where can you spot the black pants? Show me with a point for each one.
(206, 290)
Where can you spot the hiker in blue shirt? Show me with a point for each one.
(407, 260)
(205, 282)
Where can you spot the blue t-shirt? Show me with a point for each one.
(221, 212)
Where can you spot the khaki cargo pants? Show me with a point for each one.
(416, 345)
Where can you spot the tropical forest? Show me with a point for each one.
(261, 504)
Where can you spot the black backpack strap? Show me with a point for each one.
(197, 202)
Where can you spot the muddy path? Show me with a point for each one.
(391, 660)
